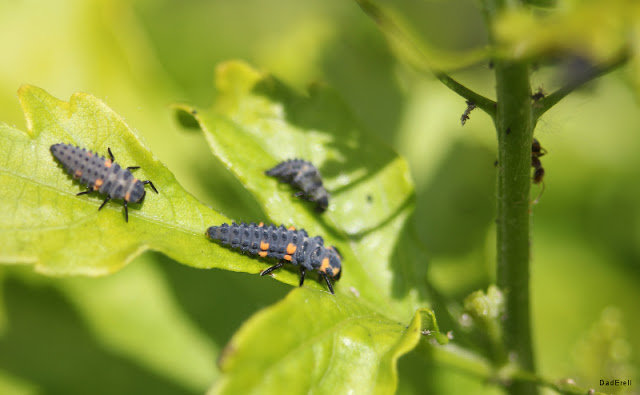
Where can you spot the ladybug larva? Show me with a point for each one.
(101, 174)
(305, 176)
(287, 245)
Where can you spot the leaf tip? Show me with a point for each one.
(24, 89)
(236, 75)
(223, 359)
(25, 93)
(186, 116)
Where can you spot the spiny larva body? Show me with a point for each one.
(305, 176)
(101, 174)
(289, 245)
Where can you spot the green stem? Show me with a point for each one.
(481, 369)
(514, 124)
(515, 118)
(483, 103)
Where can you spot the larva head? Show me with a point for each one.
(56, 149)
(323, 203)
(331, 263)
(219, 233)
(136, 193)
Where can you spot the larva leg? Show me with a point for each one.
(272, 268)
(105, 202)
(302, 274)
(150, 183)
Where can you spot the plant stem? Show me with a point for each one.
(514, 125)
(483, 103)
(514, 121)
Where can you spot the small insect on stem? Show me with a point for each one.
(538, 173)
(538, 95)
(465, 115)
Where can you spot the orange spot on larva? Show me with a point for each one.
(264, 245)
(127, 196)
(261, 224)
(78, 173)
(291, 248)
(292, 228)
(99, 183)
(287, 257)
(107, 163)
(325, 265)
(262, 253)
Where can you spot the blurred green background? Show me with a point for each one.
(157, 326)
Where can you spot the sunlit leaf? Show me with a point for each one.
(257, 122)
(348, 349)
(43, 222)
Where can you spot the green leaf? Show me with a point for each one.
(411, 46)
(154, 337)
(597, 30)
(257, 122)
(130, 325)
(43, 222)
(348, 349)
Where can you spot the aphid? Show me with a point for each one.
(536, 152)
(101, 174)
(538, 173)
(538, 95)
(465, 115)
(303, 175)
(287, 245)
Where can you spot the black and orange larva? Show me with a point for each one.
(305, 176)
(101, 174)
(287, 245)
